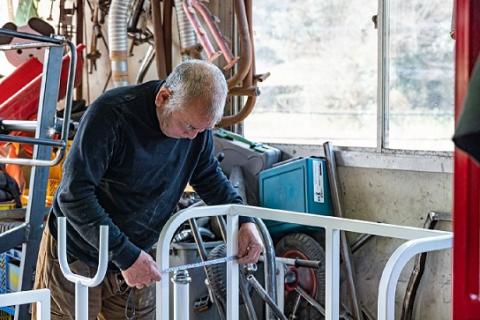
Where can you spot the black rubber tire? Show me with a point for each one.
(302, 246)
(217, 275)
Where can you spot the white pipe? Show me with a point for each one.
(41, 297)
(351, 225)
(395, 265)
(181, 295)
(186, 33)
(332, 273)
(82, 283)
(162, 255)
(280, 285)
(232, 268)
(118, 41)
(81, 300)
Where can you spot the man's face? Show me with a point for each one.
(185, 123)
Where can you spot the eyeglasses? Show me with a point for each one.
(187, 125)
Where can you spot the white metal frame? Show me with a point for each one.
(41, 297)
(418, 240)
(82, 283)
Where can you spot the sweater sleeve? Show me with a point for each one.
(210, 182)
(86, 164)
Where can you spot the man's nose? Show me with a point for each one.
(192, 134)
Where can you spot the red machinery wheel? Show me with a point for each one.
(302, 246)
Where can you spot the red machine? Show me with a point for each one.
(19, 98)
(20, 91)
(466, 218)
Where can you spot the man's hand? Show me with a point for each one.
(142, 273)
(249, 243)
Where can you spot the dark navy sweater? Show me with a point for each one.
(122, 171)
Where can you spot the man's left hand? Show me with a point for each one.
(249, 243)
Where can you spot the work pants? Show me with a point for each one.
(110, 300)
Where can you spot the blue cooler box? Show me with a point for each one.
(298, 185)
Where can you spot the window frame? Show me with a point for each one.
(415, 160)
(380, 157)
(383, 94)
(371, 158)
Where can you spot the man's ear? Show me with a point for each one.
(41, 26)
(162, 96)
(7, 39)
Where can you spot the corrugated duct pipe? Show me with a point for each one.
(188, 38)
(118, 41)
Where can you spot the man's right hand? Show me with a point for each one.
(142, 273)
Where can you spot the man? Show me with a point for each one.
(135, 151)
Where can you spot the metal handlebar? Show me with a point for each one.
(102, 259)
(82, 283)
(53, 41)
(31, 126)
(29, 36)
(26, 45)
(27, 140)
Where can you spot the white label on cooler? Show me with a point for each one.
(318, 190)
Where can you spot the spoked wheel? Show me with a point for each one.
(217, 275)
(312, 281)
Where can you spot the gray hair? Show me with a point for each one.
(193, 79)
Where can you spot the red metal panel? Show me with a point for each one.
(19, 78)
(22, 104)
(466, 207)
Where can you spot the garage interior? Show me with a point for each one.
(336, 132)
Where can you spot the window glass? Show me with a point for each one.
(322, 56)
(421, 84)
